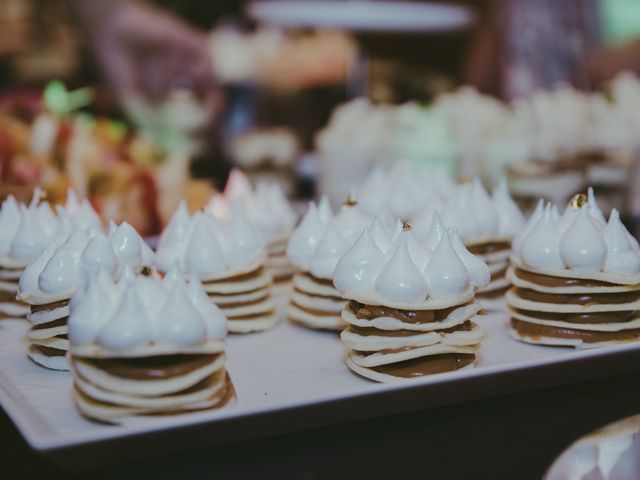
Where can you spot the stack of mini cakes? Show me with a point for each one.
(315, 247)
(576, 279)
(487, 226)
(50, 281)
(268, 210)
(143, 348)
(410, 310)
(24, 231)
(228, 257)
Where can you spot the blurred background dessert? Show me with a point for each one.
(139, 104)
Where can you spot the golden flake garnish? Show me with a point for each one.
(406, 226)
(578, 201)
(350, 201)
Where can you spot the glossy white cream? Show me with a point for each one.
(578, 241)
(208, 247)
(142, 311)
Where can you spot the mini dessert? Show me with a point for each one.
(24, 232)
(142, 348)
(268, 210)
(315, 248)
(576, 278)
(486, 225)
(410, 310)
(62, 267)
(228, 258)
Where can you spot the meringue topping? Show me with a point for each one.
(400, 279)
(208, 247)
(72, 256)
(447, 275)
(577, 240)
(141, 312)
(330, 248)
(510, 218)
(582, 246)
(478, 270)
(127, 328)
(621, 257)
(541, 246)
(409, 271)
(304, 240)
(359, 267)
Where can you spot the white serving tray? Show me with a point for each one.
(288, 379)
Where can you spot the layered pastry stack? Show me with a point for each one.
(228, 257)
(143, 348)
(268, 210)
(487, 225)
(576, 279)
(315, 248)
(410, 310)
(62, 267)
(24, 232)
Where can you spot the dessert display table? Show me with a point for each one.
(288, 379)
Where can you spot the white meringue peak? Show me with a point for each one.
(330, 248)
(400, 280)
(436, 232)
(531, 223)
(128, 246)
(446, 273)
(478, 270)
(204, 255)
(510, 219)
(243, 246)
(324, 209)
(379, 234)
(349, 222)
(484, 211)
(305, 238)
(594, 209)
(582, 246)
(622, 256)
(266, 206)
(540, 247)
(359, 267)
(476, 215)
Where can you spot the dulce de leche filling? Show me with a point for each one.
(237, 278)
(372, 331)
(158, 367)
(535, 330)
(596, 317)
(8, 296)
(322, 281)
(578, 298)
(49, 306)
(419, 367)
(369, 312)
(552, 281)
(48, 351)
(489, 247)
